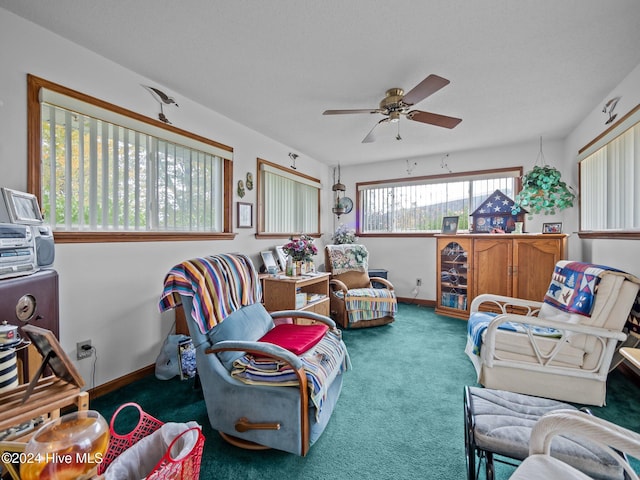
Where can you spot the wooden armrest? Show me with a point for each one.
(304, 314)
(341, 285)
(383, 281)
(260, 348)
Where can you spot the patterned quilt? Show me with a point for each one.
(349, 257)
(574, 284)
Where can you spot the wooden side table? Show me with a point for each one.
(632, 355)
(280, 293)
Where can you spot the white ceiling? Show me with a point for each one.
(518, 69)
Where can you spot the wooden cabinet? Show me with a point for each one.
(280, 293)
(512, 265)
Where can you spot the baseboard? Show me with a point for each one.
(121, 381)
(417, 301)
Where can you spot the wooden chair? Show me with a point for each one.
(354, 301)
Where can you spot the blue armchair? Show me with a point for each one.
(220, 296)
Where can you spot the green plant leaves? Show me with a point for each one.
(543, 191)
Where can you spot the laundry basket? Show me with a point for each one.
(186, 468)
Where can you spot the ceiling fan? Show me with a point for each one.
(396, 103)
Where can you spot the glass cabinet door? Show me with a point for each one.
(454, 266)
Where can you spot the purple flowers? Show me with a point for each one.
(301, 248)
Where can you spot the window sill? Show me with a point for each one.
(285, 235)
(612, 234)
(398, 234)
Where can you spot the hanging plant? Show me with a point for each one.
(543, 191)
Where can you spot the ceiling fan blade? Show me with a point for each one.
(371, 136)
(342, 112)
(426, 87)
(433, 119)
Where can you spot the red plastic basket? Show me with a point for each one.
(185, 468)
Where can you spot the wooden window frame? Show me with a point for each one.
(445, 176)
(593, 144)
(34, 173)
(260, 211)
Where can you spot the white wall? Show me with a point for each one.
(407, 259)
(109, 292)
(622, 254)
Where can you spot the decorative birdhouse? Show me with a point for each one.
(494, 215)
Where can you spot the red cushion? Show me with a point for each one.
(295, 338)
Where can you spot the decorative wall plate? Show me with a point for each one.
(347, 203)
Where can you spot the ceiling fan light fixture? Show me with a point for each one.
(396, 103)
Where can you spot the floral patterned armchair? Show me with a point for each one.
(354, 302)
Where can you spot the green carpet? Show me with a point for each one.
(400, 415)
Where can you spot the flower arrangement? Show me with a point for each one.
(543, 192)
(344, 234)
(300, 249)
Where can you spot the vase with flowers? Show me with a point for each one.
(343, 235)
(300, 250)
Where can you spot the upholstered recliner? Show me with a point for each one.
(265, 386)
(354, 302)
(561, 348)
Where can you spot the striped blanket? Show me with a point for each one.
(321, 364)
(219, 284)
(369, 303)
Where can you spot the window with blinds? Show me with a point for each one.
(609, 178)
(418, 205)
(290, 201)
(101, 171)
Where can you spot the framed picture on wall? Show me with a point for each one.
(245, 215)
(450, 225)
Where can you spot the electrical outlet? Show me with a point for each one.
(418, 282)
(84, 349)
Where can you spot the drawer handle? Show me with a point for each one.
(243, 425)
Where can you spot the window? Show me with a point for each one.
(289, 201)
(418, 205)
(103, 173)
(609, 170)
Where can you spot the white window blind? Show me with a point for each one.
(419, 205)
(290, 202)
(124, 175)
(609, 176)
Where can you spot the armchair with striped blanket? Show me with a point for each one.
(354, 302)
(265, 386)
